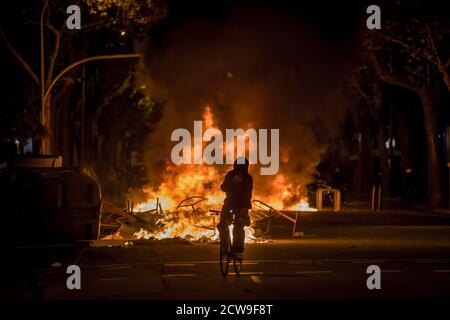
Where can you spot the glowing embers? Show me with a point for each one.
(182, 227)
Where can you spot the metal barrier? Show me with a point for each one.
(336, 199)
(268, 212)
(191, 202)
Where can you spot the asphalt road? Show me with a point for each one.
(328, 263)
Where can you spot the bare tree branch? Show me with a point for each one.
(19, 58)
(417, 51)
(443, 69)
(433, 45)
(53, 29)
(389, 78)
(433, 57)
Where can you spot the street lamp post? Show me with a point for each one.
(83, 61)
(44, 144)
(45, 92)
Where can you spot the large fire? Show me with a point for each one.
(180, 206)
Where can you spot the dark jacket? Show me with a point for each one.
(239, 194)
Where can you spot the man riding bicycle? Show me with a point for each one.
(237, 185)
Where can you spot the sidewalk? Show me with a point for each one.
(360, 214)
(391, 205)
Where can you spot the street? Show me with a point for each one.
(135, 134)
(329, 262)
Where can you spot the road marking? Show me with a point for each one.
(176, 275)
(391, 270)
(442, 271)
(314, 271)
(305, 262)
(246, 273)
(252, 261)
(367, 261)
(179, 264)
(112, 279)
(116, 268)
(256, 279)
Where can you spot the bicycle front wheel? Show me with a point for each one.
(224, 259)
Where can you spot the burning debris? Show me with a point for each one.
(187, 222)
(196, 225)
(193, 219)
(171, 211)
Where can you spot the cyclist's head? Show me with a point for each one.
(241, 163)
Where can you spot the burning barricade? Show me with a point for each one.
(194, 219)
(180, 204)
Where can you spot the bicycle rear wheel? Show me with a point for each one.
(237, 265)
(224, 259)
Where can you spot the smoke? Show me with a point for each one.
(254, 69)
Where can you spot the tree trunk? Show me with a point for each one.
(405, 144)
(384, 160)
(435, 193)
(381, 138)
(364, 181)
(443, 69)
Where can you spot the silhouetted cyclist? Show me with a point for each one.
(237, 185)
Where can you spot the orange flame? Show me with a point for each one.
(190, 219)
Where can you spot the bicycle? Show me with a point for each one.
(225, 251)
